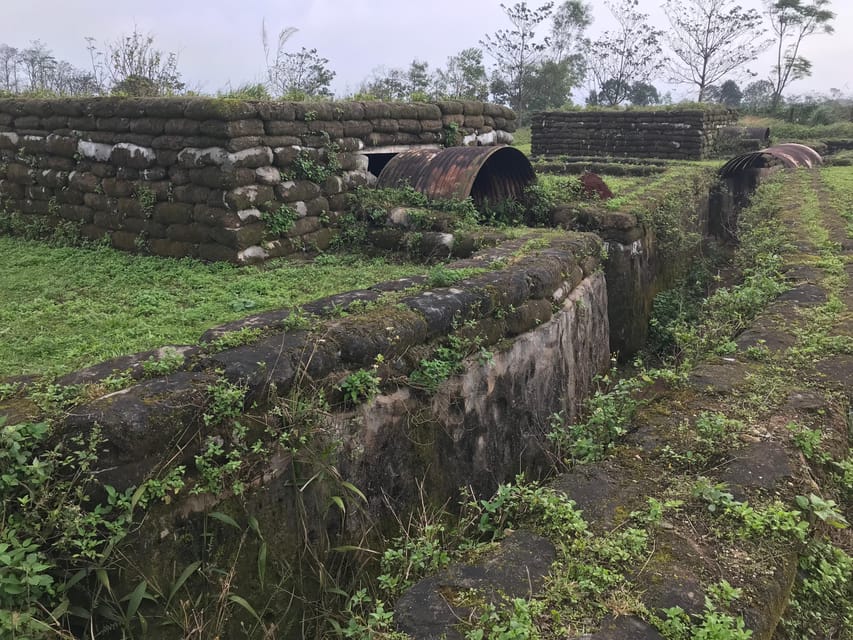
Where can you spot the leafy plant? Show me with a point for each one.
(170, 360)
(607, 414)
(360, 386)
(280, 221)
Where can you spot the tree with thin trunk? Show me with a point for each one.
(517, 49)
(711, 39)
(622, 57)
(793, 21)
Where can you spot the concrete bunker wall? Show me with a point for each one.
(688, 134)
(205, 177)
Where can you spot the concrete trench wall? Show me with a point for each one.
(678, 134)
(199, 177)
(543, 318)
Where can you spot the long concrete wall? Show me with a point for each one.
(678, 134)
(211, 178)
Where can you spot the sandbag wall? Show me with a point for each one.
(211, 178)
(680, 135)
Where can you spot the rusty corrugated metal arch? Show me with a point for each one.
(486, 174)
(789, 155)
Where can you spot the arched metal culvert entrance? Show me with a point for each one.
(486, 174)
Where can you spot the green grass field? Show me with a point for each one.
(66, 308)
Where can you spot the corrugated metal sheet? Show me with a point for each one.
(484, 173)
(788, 155)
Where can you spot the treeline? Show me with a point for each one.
(536, 62)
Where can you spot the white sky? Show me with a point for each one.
(218, 41)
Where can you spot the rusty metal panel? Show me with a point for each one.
(482, 173)
(789, 155)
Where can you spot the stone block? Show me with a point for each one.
(106, 220)
(276, 111)
(285, 128)
(131, 208)
(374, 110)
(267, 175)
(117, 188)
(296, 190)
(85, 182)
(181, 127)
(252, 158)
(239, 237)
(308, 224)
(124, 240)
(64, 146)
(248, 197)
(217, 252)
(75, 213)
(220, 109)
(126, 154)
(171, 248)
(20, 173)
(215, 217)
(173, 213)
(193, 233)
(232, 128)
(191, 193)
(284, 156)
(357, 128)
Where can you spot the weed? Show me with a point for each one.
(146, 199)
(360, 386)
(170, 360)
(607, 414)
(280, 221)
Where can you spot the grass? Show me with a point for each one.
(67, 308)
(780, 130)
(521, 140)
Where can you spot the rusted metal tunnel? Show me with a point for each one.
(740, 176)
(485, 174)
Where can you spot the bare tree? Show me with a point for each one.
(793, 21)
(517, 49)
(711, 39)
(627, 55)
(132, 65)
(569, 22)
(9, 62)
(37, 63)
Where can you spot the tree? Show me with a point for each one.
(711, 39)
(618, 59)
(567, 26)
(37, 63)
(730, 94)
(517, 49)
(758, 96)
(793, 21)
(9, 69)
(464, 77)
(419, 80)
(131, 65)
(643, 94)
(296, 74)
(550, 85)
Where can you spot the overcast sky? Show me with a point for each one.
(219, 42)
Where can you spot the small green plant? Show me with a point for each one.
(170, 360)
(360, 386)
(231, 339)
(225, 402)
(607, 415)
(297, 320)
(280, 221)
(146, 199)
(451, 136)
